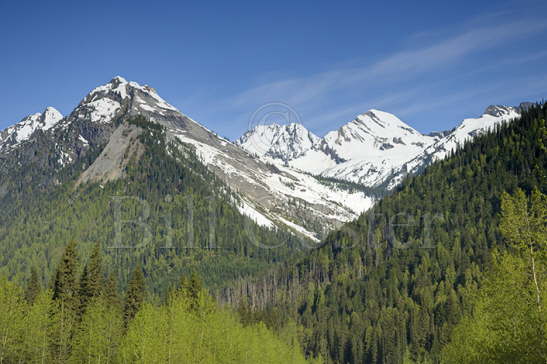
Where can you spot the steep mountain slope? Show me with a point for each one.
(146, 200)
(376, 149)
(389, 287)
(50, 145)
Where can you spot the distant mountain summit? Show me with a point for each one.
(281, 142)
(376, 149)
(24, 129)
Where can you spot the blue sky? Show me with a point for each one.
(431, 63)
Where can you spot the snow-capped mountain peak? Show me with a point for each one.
(50, 117)
(375, 134)
(24, 129)
(276, 141)
(383, 122)
(468, 129)
(103, 103)
(363, 150)
(498, 110)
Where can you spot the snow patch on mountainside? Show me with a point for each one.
(299, 229)
(246, 209)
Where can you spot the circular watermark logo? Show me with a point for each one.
(263, 118)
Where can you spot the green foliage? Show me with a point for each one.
(505, 325)
(188, 328)
(508, 323)
(12, 308)
(98, 335)
(523, 220)
(178, 333)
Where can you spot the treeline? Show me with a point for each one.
(83, 319)
(391, 286)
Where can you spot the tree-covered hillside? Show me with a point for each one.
(167, 212)
(391, 286)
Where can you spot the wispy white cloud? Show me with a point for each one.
(402, 64)
(310, 93)
(434, 71)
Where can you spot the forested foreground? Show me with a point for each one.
(82, 319)
(393, 286)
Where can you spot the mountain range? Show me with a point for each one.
(284, 174)
(376, 149)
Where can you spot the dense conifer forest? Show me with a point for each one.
(392, 286)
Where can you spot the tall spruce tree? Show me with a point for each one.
(91, 283)
(191, 287)
(33, 286)
(67, 308)
(110, 291)
(135, 295)
(65, 286)
(84, 293)
(95, 271)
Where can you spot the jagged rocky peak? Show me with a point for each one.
(372, 124)
(439, 134)
(498, 110)
(24, 129)
(50, 117)
(281, 141)
(105, 102)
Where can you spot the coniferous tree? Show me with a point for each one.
(95, 271)
(110, 291)
(135, 295)
(67, 304)
(84, 291)
(191, 287)
(33, 286)
(65, 286)
(91, 282)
